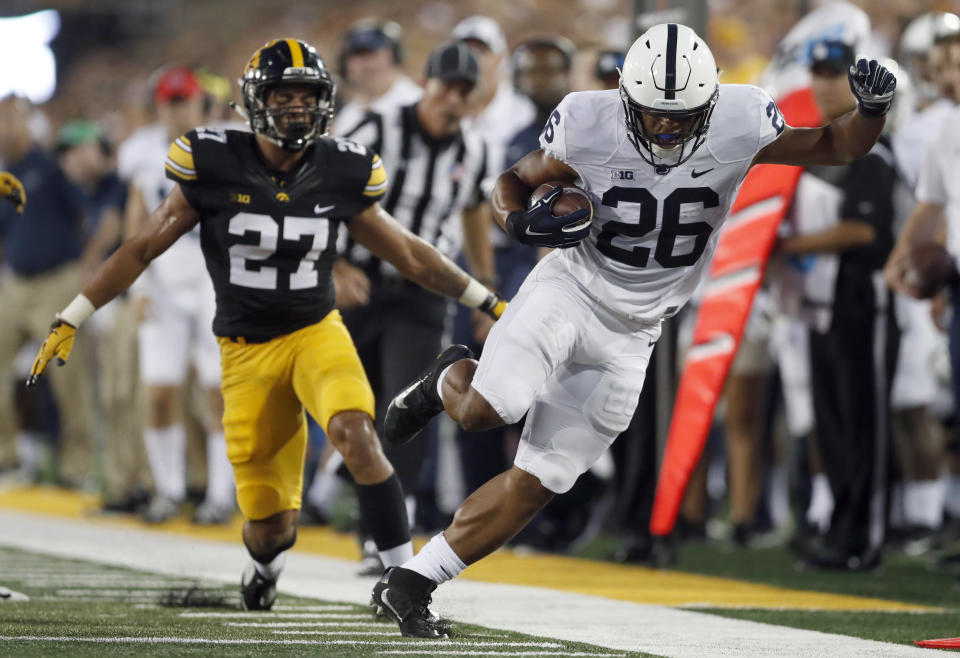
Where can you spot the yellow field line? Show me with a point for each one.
(613, 581)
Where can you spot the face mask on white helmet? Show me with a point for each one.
(669, 75)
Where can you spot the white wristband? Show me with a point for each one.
(475, 294)
(77, 311)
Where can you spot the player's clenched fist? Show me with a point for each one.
(58, 344)
(12, 190)
(873, 85)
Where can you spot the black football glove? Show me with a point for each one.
(537, 226)
(873, 85)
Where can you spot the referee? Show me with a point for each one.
(434, 169)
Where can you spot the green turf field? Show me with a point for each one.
(81, 608)
(900, 577)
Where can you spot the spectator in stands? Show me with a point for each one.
(370, 61)
(42, 251)
(178, 298)
(607, 68)
(852, 345)
(85, 157)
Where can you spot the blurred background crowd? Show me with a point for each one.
(93, 93)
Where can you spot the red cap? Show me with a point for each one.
(177, 82)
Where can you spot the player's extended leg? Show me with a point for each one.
(584, 403)
(330, 381)
(536, 333)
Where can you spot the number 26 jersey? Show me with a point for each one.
(653, 235)
(269, 239)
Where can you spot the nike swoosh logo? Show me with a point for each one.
(398, 398)
(529, 232)
(317, 210)
(386, 602)
(652, 343)
(698, 174)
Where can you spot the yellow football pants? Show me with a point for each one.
(265, 389)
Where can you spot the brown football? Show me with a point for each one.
(571, 199)
(930, 269)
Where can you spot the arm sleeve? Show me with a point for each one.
(931, 186)
(553, 137)
(376, 185)
(179, 165)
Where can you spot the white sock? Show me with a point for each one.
(394, 557)
(821, 502)
(923, 503)
(166, 452)
(952, 502)
(219, 471)
(436, 561)
(440, 381)
(272, 569)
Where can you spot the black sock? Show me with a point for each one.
(383, 512)
(267, 558)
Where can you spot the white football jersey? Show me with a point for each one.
(653, 235)
(140, 162)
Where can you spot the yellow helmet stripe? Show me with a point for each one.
(296, 52)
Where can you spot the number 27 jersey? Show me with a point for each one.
(653, 235)
(269, 243)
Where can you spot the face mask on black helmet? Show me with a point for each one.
(287, 62)
(668, 73)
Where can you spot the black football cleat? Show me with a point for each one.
(404, 596)
(412, 408)
(258, 592)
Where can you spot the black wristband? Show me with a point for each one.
(511, 222)
(873, 113)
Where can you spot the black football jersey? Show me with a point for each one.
(269, 242)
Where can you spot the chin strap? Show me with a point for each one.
(239, 110)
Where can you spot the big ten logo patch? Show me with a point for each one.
(238, 197)
(621, 174)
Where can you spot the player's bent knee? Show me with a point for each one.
(477, 415)
(352, 434)
(528, 488)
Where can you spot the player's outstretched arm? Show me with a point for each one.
(173, 218)
(849, 136)
(419, 261)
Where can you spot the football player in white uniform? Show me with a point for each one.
(662, 159)
(175, 333)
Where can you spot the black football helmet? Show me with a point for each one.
(280, 62)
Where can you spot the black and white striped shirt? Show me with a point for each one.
(429, 181)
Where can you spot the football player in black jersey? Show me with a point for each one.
(269, 204)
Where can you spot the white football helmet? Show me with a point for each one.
(918, 40)
(669, 72)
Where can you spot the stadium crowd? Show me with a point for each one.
(837, 432)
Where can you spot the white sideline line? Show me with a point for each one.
(204, 640)
(553, 614)
(391, 632)
(276, 615)
(497, 653)
(304, 624)
(313, 608)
